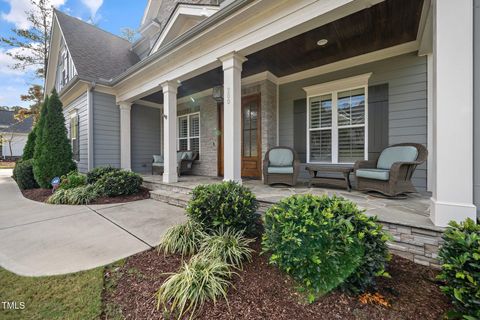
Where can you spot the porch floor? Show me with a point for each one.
(412, 212)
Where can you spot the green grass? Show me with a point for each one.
(72, 296)
(7, 165)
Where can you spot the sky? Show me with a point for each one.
(110, 15)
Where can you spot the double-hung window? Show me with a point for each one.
(337, 121)
(189, 132)
(74, 136)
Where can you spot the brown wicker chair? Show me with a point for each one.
(372, 175)
(184, 165)
(282, 170)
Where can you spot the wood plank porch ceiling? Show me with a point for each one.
(384, 25)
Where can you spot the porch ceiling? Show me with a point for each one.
(383, 25)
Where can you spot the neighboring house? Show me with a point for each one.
(337, 80)
(13, 134)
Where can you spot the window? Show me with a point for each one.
(74, 137)
(189, 132)
(337, 121)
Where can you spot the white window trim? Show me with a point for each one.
(188, 115)
(73, 115)
(333, 88)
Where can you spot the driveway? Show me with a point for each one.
(38, 239)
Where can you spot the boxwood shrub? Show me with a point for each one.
(95, 174)
(225, 204)
(323, 243)
(72, 180)
(118, 183)
(460, 257)
(23, 174)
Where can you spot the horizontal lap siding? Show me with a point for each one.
(145, 137)
(476, 99)
(81, 107)
(106, 130)
(406, 76)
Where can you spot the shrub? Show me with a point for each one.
(75, 196)
(322, 242)
(183, 239)
(23, 174)
(72, 180)
(29, 148)
(460, 257)
(119, 182)
(198, 280)
(95, 174)
(228, 245)
(54, 157)
(226, 204)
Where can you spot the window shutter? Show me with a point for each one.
(77, 141)
(377, 119)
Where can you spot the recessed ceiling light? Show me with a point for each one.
(322, 42)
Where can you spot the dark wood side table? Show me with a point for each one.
(315, 178)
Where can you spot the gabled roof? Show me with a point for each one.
(96, 54)
(8, 123)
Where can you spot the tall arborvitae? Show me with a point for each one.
(29, 148)
(54, 157)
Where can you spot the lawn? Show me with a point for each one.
(72, 296)
(7, 165)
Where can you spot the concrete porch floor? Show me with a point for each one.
(411, 212)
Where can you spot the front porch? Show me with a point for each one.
(415, 237)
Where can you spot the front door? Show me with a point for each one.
(251, 138)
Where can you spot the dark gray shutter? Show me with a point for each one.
(300, 128)
(377, 119)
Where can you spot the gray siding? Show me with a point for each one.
(80, 106)
(106, 130)
(145, 139)
(406, 77)
(476, 106)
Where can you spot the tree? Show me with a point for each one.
(129, 34)
(33, 42)
(54, 158)
(8, 137)
(29, 148)
(35, 96)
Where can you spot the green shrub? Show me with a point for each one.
(184, 239)
(119, 182)
(226, 204)
(75, 196)
(95, 174)
(198, 280)
(323, 242)
(227, 245)
(23, 174)
(54, 156)
(29, 148)
(460, 257)
(72, 180)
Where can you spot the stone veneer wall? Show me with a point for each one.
(416, 244)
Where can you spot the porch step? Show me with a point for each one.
(167, 187)
(170, 197)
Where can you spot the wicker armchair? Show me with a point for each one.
(392, 172)
(281, 166)
(185, 161)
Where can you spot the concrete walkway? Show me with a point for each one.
(38, 239)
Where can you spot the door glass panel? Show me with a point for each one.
(250, 118)
(253, 143)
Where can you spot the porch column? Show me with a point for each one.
(452, 197)
(170, 131)
(232, 127)
(125, 153)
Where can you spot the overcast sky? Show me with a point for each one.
(111, 15)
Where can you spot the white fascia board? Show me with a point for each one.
(187, 10)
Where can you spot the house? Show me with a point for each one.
(337, 80)
(13, 134)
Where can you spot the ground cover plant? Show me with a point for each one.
(72, 180)
(323, 243)
(184, 239)
(460, 257)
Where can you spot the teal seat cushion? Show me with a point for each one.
(157, 164)
(377, 174)
(188, 155)
(396, 154)
(157, 158)
(280, 158)
(284, 170)
(180, 155)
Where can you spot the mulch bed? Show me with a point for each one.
(264, 292)
(41, 195)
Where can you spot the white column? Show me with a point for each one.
(170, 131)
(125, 153)
(452, 197)
(232, 126)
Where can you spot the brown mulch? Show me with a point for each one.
(42, 195)
(264, 292)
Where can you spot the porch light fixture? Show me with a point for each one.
(218, 93)
(322, 42)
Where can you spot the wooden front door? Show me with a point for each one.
(251, 138)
